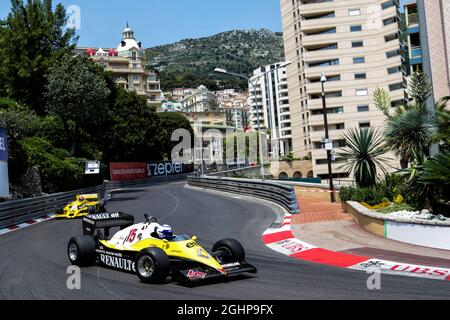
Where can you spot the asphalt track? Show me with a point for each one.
(33, 261)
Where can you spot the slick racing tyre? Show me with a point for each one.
(229, 249)
(92, 210)
(81, 251)
(152, 265)
(102, 206)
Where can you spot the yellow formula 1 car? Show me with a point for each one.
(139, 249)
(82, 206)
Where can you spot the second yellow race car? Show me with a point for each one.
(83, 205)
(153, 252)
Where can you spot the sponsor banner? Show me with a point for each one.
(403, 269)
(126, 171)
(165, 168)
(290, 247)
(4, 180)
(3, 145)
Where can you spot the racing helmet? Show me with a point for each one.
(165, 232)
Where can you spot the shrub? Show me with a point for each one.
(58, 171)
(396, 208)
(372, 196)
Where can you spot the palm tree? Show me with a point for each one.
(410, 133)
(364, 155)
(411, 129)
(443, 119)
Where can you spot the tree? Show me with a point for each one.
(364, 155)
(31, 38)
(410, 133)
(133, 130)
(169, 122)
(420, 87)
(443, 119)
(410, 129)
(77, 93)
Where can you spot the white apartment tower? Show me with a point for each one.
(272, 106)
(356, 44)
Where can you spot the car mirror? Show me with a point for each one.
(194, 238)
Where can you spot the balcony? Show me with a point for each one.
(413, 19)
(416, 52)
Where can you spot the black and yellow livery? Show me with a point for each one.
(83, 205)
(136, 249)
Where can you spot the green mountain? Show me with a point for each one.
(191, 62)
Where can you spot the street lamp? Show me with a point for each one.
(254, 84)
(328, 144)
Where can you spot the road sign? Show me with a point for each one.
(92, 167)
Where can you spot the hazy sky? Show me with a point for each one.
(164, 21)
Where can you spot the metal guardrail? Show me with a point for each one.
(21, 211)
(280, 194)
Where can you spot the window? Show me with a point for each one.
(363, 108)
(357, 44)
(391, 37)
(393, 53)
(387, 5)
(324, 63)
(329, 78)
(389, 21)
(354, 12)
(360, 76)
(397, 103)
(362, 92)
(363, 125)
(336, 110)
(356, 28)
(396, 86)
(359, 60)
(393, 70)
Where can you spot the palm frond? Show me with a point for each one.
(364, 155)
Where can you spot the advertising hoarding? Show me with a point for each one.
(126, 171)
(165, 168)
(4, 179)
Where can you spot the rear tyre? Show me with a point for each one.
(81, 251)
(229, 248)
(152, 265)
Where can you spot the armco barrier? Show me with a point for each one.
(280, 194)
(21, 211)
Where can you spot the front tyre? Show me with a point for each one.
(81, 251)
(152, 265)
(229, 249)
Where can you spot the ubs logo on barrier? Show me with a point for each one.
(165, 168)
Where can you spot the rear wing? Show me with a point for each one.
(106, 221)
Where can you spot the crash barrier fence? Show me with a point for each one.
(282, 195)
(21, 211)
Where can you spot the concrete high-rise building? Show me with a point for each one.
(434, 16)
(272, 106)
(356, 44)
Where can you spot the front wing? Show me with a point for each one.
(197, 273)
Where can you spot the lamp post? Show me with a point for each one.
(253, 85)
(328, 147)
